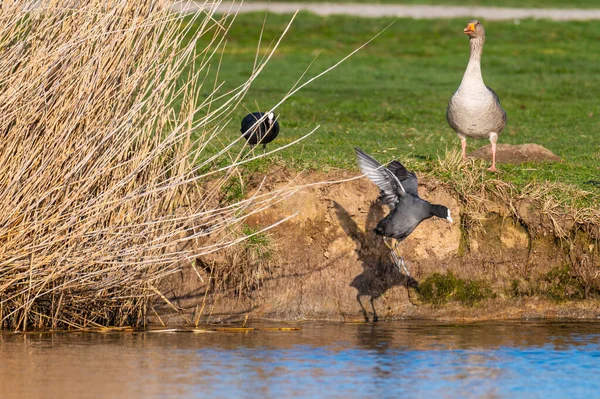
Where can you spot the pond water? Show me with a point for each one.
(408, 359)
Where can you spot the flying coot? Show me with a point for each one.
(399, 190)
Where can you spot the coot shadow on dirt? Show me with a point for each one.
(379, 272)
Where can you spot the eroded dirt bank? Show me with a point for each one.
(327, 255)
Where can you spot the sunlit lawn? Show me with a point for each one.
(390, 98)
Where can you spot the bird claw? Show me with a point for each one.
(405, 268)
(400, 264)
(492, 169)
(387, 245)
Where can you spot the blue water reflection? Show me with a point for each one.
(403, 359)
(325, 372)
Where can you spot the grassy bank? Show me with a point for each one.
(390, 98)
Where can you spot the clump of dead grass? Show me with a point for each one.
(554, 208)
(559, 204)
(104, 188)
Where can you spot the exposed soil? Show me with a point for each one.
(328, 254)
(516, 154)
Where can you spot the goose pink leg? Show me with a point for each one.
(493, 139)
(463, 145)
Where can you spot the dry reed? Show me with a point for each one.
(106, 184)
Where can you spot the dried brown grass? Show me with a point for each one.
(562, 206)
(104, 189)
(564, 211)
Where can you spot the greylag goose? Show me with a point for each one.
(474, 110)
(259, 128)
(399, 190)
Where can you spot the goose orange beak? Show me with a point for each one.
(469, 29)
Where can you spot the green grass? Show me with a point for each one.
(468, 3)
(259, 243)
(438, 289)
(390, 98)
(561, 284)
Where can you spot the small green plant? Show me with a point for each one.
(233, 190)
(561, 284)
(518, 289)
(438, 289)
(246, 265)
(258, 244)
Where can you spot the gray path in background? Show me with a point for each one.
(400, 10)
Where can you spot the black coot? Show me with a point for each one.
(260, 128)
(399, 190)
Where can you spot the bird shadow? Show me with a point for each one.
(380, 273)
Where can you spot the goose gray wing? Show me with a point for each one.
(497, 100)
(388, 183)
(494, 94)
(407, 178)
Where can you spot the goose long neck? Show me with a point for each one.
(473, 71)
